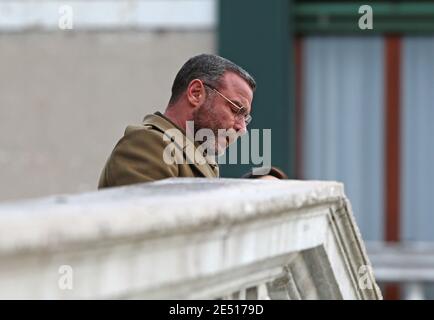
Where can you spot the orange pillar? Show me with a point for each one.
(392, 147)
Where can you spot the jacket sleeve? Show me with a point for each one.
(274, 171)
(138, 157)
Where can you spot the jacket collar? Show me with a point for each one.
(206, 165)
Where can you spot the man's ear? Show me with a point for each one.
(196, 93)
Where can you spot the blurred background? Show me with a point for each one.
(343, 103)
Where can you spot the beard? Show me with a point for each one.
(206, 117)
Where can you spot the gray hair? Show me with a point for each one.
(208, 68)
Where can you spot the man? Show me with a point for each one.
(209, 92)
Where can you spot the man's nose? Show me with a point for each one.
(240, 125)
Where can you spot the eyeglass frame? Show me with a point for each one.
(239, 111)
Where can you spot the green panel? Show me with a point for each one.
(257, 35)
(415, 17)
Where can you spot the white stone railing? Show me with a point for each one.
(187, 239)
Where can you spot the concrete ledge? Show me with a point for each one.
(187, 238)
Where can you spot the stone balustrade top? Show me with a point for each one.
(187, 238)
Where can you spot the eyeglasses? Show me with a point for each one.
(239, 111)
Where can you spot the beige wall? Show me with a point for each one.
(66, 98)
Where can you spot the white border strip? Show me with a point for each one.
(18, 15)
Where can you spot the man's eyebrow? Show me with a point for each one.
(239, 104)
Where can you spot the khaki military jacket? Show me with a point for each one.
(139, 155)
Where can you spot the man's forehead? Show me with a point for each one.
(237, 86)
(233, 80)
